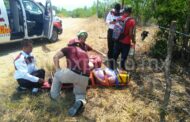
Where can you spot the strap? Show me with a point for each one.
(106, 79)
(127, 18)
(117, 74)
(18, 56)
(125, 21)
(92, 79)
(17, 59)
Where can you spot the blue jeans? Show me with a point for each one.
(124, 50)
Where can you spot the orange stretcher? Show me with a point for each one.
(121, 79)
(108, 78)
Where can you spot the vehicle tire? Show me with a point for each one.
(54, 36)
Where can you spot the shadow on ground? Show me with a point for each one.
(5, 49)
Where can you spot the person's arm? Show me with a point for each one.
(109, 19)
(132, 31)
(22, 68)
(56, 58)
(89, 48)
(104, 55)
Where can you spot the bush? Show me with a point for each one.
(159, 50)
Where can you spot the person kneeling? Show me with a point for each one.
(26, 72)
(77, 73)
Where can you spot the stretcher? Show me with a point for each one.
(99, 77)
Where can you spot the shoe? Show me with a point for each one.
(21, 89)
(50, 80)
(75, 108)
(35, 90)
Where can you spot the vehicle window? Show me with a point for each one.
(7, 5)
(48, 9)
(32, 7)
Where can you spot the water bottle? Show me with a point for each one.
(132, 50)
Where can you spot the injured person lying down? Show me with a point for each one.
(108, 77)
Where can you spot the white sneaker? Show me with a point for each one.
(34, 90)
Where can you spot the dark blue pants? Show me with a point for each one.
(123, 49)
(110, 42)
(29, 84)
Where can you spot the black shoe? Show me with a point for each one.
(21, 89)
(75, 108)
(50, 80)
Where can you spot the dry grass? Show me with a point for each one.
(138, 102)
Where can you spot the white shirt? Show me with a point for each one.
(110, 17)
(24, 67)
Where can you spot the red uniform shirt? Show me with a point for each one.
(77, 59)
(129, 24)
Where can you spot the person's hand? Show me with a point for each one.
(41, 81)
(91, 65)
(119, 19)
(113, 22)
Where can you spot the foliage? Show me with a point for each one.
(168, 10)
(6, 2)
(143, 10)
(103, 7)
(84, 12)
(159, 50)
(62, 12)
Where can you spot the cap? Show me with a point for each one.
(82, 33)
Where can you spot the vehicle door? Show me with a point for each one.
(4, 24)
(48, 20)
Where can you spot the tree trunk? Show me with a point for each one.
(186, 39)
(170, 45)
(122, 4)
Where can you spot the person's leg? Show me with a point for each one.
(62, 76)
(28, 84)
(80, 94)
(124, 54)
(59, 78)
(117, 51)
(39, 73)
(80, 84)
(55, 88)
(110, 46)
(80, 89)
(110, 43)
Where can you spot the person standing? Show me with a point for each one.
(26, 72)
(123, 45)
(111, 19)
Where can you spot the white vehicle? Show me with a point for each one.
(24, 19)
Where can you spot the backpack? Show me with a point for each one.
(118, 30)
